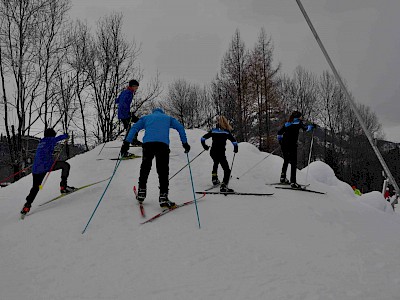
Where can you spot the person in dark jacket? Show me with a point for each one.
(125, 115)
(219, 135)
(43, 162)
(156, 144)
(287, 137)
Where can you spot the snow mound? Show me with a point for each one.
(376, 200)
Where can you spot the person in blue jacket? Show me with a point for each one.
(219, 135)
(42, 164)
(125, 115)
(156, 144)
(287, 137)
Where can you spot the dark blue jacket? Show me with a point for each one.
(44, 154)
(124, 101)
(157, 126)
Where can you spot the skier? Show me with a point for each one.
(219, 135)
(287, 137)
(156, 144)
(124, 101)
(42, 164)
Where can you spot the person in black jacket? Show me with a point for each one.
(219, 135)
(287, 137)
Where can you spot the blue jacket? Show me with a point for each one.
(124, 101)
(44, 154)
(157, 126)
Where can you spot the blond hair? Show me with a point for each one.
(223, 123)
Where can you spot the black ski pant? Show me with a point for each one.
(289, 157)
(127, 127)
(219, 158)
(38, 178)
(160, 151)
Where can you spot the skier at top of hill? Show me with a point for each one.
(219, 135)
(125, 115)
(287, 137)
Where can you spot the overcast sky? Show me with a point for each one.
(188, 38)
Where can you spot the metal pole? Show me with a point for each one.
(352, 103)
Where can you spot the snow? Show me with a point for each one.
(292, 245)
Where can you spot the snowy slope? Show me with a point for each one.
(292, 245)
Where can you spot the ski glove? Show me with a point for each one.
(310, 127)
(206, 147)
(235, 148)
(280, 138)
(186, 147)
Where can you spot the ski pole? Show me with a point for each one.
(52, 166)
(186, 165)
(105, 190)
(11, 176)
(194, 194)
(309, 156)
(257, 163)
(233, 159)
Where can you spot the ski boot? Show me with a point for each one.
(224, 189)
(65, 189)
(25, 209)
(283, 179)
(214, 179)
(128, 155)
(141, 195)
(165, 202)
(295, 185)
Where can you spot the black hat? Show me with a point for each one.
(49, 132)
(296, 114)
(133, 82)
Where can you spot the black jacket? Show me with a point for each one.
(289, 133)
(219, 137)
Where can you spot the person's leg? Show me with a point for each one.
(64, 167)
(147, 158)
(293, 165)
(37, 181)
(162, 165)
(285, 165)
(214, 174)
(225, 167)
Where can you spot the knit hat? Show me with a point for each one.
(49, 132)
(133, 82)
(296, 114)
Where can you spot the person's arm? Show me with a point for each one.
(204, 138)
(134, 118)
(61, 137)
(234, 142)
(280, 133)
(181, 130)
(139, 125)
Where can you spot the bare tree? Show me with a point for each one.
(110, 67)
(79, 37)
(22, 42)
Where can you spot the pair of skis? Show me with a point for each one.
(286, 186)
(164, 211)
(63, 195)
